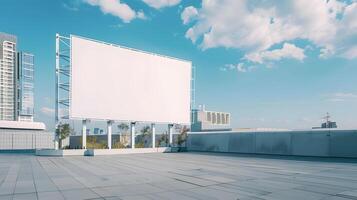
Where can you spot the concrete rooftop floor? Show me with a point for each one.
(176, 176)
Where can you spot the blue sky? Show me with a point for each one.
(278, 66)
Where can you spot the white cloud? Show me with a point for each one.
(118, 26)
(258, 26)
(345, 95)
(70, 7)
(141, 15)
(161, 3)
(287, 51)
(51, 111)
(326, 52)
(47, 111)
(342, 97)
(188, 14)
(228, 67)
(116, 8)
(336, 100)
(351, 53)
(240, 67)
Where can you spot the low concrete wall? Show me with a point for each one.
(61, 152)
(97, 152)
(25, 139)
(102, 152)
(324, 143)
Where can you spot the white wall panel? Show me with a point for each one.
(25, 139)
(114, 83)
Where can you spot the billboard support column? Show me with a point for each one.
(57, 90)
(170, 127)
(63, 73)
(132, 131)
(153, 135)
(84, 133)
(109, 132)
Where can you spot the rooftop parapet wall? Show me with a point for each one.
(323, 143)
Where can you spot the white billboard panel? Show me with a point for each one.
(109, 82)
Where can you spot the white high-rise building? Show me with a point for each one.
(17, 97)
(16, 81)
(203, 120)
(7, 77)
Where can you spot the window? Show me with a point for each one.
(227, 119)
(223, 116)
(208, 117)
(214, 118)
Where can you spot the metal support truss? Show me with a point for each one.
(63, 73)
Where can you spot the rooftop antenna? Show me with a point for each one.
(327, 118)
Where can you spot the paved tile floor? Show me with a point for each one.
(176, 176)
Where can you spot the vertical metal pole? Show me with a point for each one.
(109, 132)
(193, 91)
(153, 131)
(170, 127)
(57, 88)
(84, 134)
(132, 130)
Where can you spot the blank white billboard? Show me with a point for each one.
(109, 82)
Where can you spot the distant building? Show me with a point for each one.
(16, 89)
(16, 81)
(25, 86)
(203, 120)
(327, 123)
(7, 77)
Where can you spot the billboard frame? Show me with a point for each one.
(63, 73)
(63, 79)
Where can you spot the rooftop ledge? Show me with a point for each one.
(22, 125)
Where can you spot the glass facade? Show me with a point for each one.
(26, 85)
